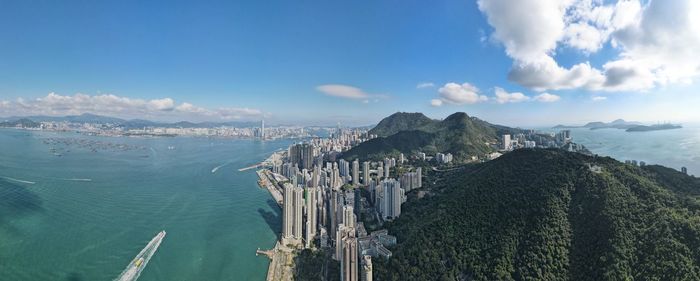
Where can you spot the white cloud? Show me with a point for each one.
(460, 94)
(599, 98)
(504, 97)
(656, 43)
(425, 85)
(436, 102)
(342, 91)
(111, 105)
(546, 97)
(165, 104)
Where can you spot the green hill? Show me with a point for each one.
(458, 134)
(400, 121)
(545, 215)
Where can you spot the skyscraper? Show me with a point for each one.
(298, 215)
(355, 172)
(348, 216)
(348, 263)
(391, 199)
(262, 129)
(288, 212)
(365, 173)
(311, 210)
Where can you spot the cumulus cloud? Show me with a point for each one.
(465, 93)
(652, 48)
(161, 109)
(504, 97)
(436, 102)
(546, 97)
(425, 85)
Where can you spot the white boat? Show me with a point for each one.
(133, 270)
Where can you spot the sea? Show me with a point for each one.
(674, 148)
(77, 207)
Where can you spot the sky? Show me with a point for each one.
(518, 63)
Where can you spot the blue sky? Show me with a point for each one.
(246, 60)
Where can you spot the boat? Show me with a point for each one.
(133, 270)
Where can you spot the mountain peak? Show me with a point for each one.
(400, 121)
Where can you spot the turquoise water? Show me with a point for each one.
(88, 213)
(672, 148)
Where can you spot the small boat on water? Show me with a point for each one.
(133, 270)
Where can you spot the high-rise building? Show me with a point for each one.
(301, 154)
(341, 232)
(288, 212)
(506, 144)
(365, 173)
(387, 167)
(348, 216)
(356, 172)
(391, 199)
(311, 212)
(366, 268)
(262, 129)
(332, 207)
(298, 215)
(348, 263)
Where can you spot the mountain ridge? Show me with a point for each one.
(460, 134)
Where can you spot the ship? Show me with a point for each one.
(133, 270)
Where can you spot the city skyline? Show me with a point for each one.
(327, 62)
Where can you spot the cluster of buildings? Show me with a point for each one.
(323, 198)
(532, 139)
(114, 129)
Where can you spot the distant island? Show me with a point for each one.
(628, 126)
(657, 127)
(616, 124)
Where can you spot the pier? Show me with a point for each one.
(250, 167)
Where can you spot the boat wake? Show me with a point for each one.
(75, 179)
(219, 167)
(17, 180)
(133, 270)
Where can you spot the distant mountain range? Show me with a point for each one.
(403, 132)
(617, 124)
(129, 124)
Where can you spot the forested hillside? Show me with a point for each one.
(459, 134)
(546, 215)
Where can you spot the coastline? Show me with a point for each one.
(281, 257)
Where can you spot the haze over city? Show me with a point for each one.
(523, 63)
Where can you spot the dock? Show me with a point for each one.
(250, 167)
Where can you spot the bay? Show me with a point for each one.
(76, 207)
(671, 148)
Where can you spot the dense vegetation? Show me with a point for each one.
(545, 215)
(308, 265)
(458, 134)
(400, 121)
